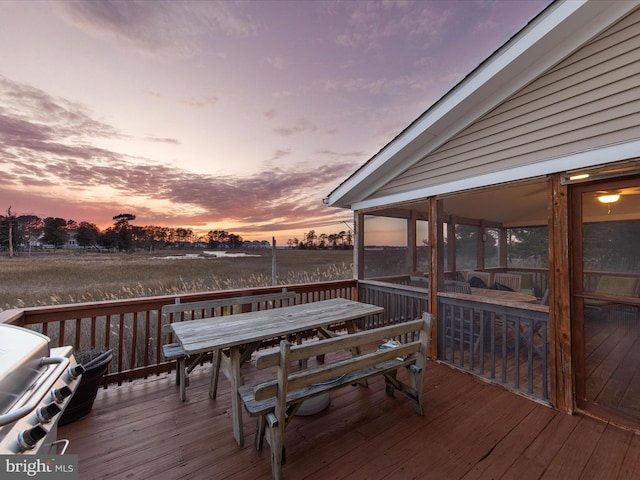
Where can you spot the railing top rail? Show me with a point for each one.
(52, 313)
(635, 301)
(11, 316)
(131, 326)
(393, 286)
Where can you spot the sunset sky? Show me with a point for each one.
(239, 116)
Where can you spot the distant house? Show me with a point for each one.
(33, 242)
(72, 242)
(256, 244)
(542, 140)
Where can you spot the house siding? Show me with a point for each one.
(590, 99)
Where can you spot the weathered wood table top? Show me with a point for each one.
(500, 297)
(503, 295)
(204, 335)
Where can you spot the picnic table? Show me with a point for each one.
(235, 332)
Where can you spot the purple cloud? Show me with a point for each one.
(56, 149)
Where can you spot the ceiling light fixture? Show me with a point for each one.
(608, 198)
(581, 176)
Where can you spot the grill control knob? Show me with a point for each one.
(61, 393)
(46, 413)
(28, 439)
(74, 372)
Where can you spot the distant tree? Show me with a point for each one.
(222, 238)
(171, 235)
(184, 235)
(310, 239)
(608, 244)
(55, 232)
(349, 239)
(149, 236)
(122, 229)
(160, 234)
(234, 241)
(87, 234)
(72, 225)
(217, 238)
(528, 243)
(139, 236)
(109, 239)
(323, 238)
(124, 219)
(466, 244)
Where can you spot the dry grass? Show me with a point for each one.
(70, 277)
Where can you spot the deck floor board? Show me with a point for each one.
(471, 430)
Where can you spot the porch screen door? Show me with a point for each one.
(606, 307)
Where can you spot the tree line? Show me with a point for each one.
(20, 232)
(311, 240)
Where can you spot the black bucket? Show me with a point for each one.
(96, 363)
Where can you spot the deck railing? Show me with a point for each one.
(401, 301)
(504, 344)
(132, 327)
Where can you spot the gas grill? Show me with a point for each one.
(36, 385)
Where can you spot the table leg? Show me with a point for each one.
(216, 364)
(236, 381)
(182, 372)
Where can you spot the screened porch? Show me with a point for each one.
(493, 291)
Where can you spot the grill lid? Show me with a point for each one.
(21, 351)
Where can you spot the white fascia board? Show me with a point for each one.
(459, 108)
(574, 161)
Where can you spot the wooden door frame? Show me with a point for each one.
(577, 309)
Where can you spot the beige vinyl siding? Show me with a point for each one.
(590, 99)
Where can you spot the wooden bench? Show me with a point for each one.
(275, 401)
(206, 309)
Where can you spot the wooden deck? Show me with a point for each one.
(471, 430)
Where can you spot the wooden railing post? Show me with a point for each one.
(562, 393)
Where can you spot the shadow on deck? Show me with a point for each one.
(471, 430)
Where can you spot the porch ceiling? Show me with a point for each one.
(513, 205)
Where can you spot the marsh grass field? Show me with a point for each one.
(60, 277)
